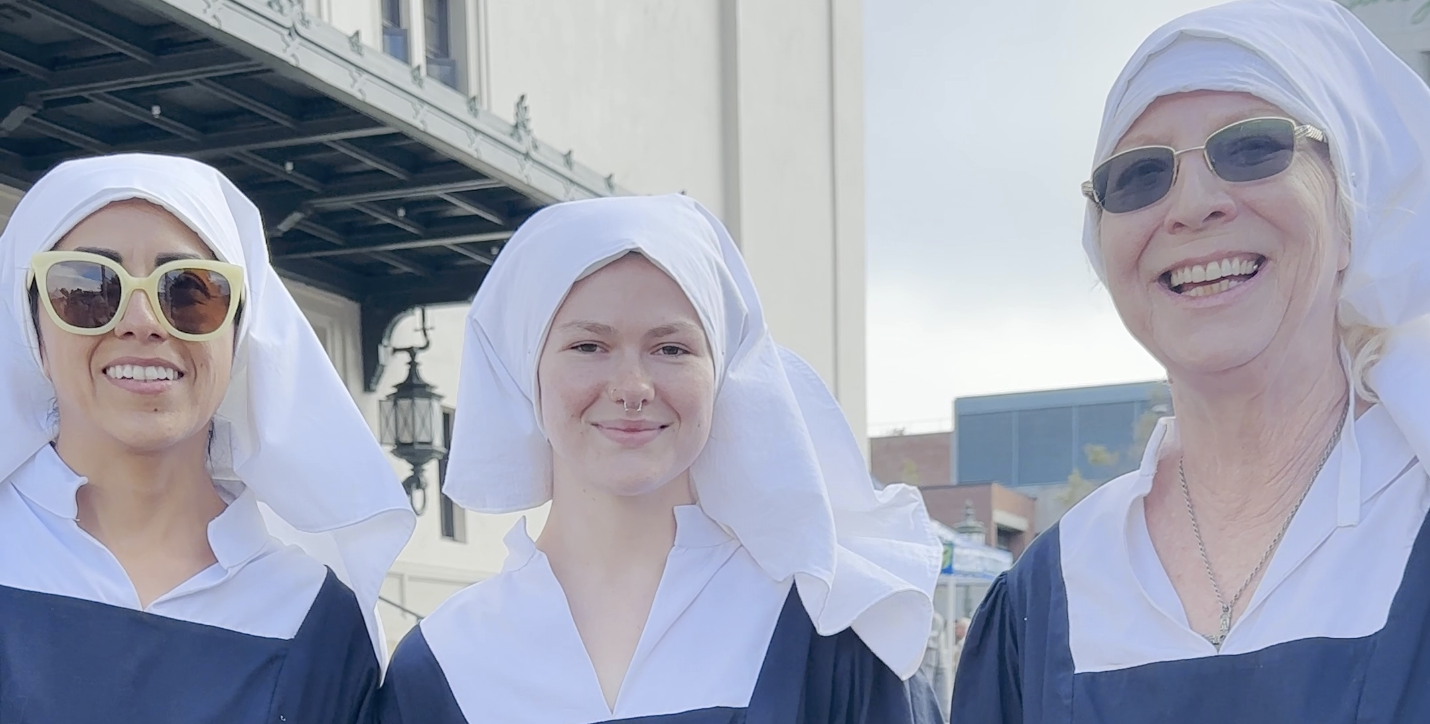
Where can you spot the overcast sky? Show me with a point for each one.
(981, 116)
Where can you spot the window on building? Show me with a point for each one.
(1104, 439)
(1006, 537)
(394, 31)
(985, 448)
(441, 64)
(454, 518)
(1045, 446)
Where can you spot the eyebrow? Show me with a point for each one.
(664, 330)
(106, 253)
(1142, 139)
(159, 259)
(592, 327)
(672, 329)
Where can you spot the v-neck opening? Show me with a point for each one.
(659, 620)
(1310, 527)
(176, 592)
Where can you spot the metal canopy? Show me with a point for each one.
(377, 183)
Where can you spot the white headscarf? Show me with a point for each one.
(782, 471)
(1319, 63)
(287, 427)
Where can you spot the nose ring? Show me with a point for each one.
(627, 407)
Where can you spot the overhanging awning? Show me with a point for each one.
(377, 183)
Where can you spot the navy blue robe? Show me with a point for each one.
(1017, 667)
(805, 679)
(70, 661)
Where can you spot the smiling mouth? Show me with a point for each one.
(1204, 280)
(143, 373)
(632, 430)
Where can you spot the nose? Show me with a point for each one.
(1198, 197)
(632, 388)
(140, 320)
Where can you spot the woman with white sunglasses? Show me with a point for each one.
(1259, 210)
(166, 410)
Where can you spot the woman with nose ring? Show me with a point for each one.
(1259, 210)
(715, 550)
(164, 406)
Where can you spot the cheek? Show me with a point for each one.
(213, 363)
(691, 392)
(66, 358)
(1121, 241)
(566, 392)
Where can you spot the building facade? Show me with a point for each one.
(1055, 446)
(394, 145)
(926, 461)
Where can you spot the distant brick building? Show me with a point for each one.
(913, 459)
(926, 461)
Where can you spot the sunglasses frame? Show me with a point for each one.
(1298, 132)
(41, 263)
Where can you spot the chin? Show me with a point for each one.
(1209, 354)
(630, 483)
(152, 432)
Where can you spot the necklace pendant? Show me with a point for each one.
(1225, 625)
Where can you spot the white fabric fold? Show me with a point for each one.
(782, 471)
(1319, 63)
(287, 427)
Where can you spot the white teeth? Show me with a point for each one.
(142, 374)
(1210, 289)
(1197, 274)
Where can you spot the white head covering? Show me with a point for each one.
(1319, 63)
(287, 427)
(782, 470)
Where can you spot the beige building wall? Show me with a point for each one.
(753, 107)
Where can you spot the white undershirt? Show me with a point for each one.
(258, 586)
(511, 652)
(1334, 574)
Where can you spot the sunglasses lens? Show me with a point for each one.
(84, 294)
(1252, 150)
(195, 301)
(1132, 180)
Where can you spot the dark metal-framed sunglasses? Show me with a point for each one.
(1248, 150)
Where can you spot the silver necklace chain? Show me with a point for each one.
(1226, 608)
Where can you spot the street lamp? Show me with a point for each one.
(410, 420)
(970, 528)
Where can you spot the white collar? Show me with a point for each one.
(1114, 579)
(236, 535)
(1359, 473)
(693, 529)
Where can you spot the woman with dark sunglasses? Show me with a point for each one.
(1260, 213)
(166, 411)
